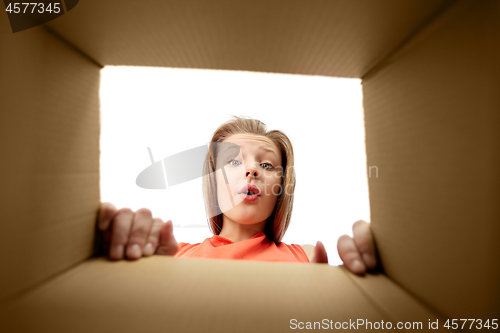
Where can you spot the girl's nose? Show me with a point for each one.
(252, 172)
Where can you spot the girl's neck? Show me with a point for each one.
(238, 232)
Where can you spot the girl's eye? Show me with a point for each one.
(267, 166)
(234, 164)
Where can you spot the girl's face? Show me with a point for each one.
(257, 168)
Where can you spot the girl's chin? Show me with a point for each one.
(243, 218)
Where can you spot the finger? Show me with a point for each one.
(363, 240)
(107, 212)
(320, 255)
(107, 239)
(120, 231)
(154, 237)
(350, 255)
(168, 244)
(143, 221)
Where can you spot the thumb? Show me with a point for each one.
(168, 245)
(320, 256)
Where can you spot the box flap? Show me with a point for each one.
(161, 293)
(433, 132)
(334, 38)
(49, 143)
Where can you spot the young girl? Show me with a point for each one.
(249, 200)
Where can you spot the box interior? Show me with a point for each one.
(430, 73)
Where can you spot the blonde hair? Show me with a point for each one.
(277, 223)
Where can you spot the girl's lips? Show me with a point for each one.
(250, 187)
(247, 197)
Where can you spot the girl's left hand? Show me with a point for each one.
(357, 253)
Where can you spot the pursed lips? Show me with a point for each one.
(250, 189)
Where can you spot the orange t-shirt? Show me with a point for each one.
(257, 248)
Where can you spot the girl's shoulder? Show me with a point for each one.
(303, 253)
(184, 248)
(309, 250)
(183, 244)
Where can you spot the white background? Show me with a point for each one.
(172, 110)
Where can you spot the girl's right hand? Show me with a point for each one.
(131, 235)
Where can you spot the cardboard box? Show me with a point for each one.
(430, 73)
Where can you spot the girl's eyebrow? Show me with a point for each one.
(268, 150)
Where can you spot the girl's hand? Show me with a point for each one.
(134, 234)
(357, 253)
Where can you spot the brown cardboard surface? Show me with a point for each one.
(336, 38)
(390, 299)
(433, 130)
(165, 294)
(49, 143)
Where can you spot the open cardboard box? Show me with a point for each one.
(430, 74)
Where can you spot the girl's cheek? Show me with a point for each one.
(272, 179)
(271, 189)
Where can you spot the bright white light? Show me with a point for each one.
(172, 110)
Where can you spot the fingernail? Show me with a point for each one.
(117, 252)
(148, 249)
(134, 251)
(357, 266)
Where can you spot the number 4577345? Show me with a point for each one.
(17, 7)
(455, 324)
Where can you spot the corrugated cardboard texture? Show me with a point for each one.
(49, 142)
(432, 126)
(432, 116)
(337, 38)
(165, 294)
